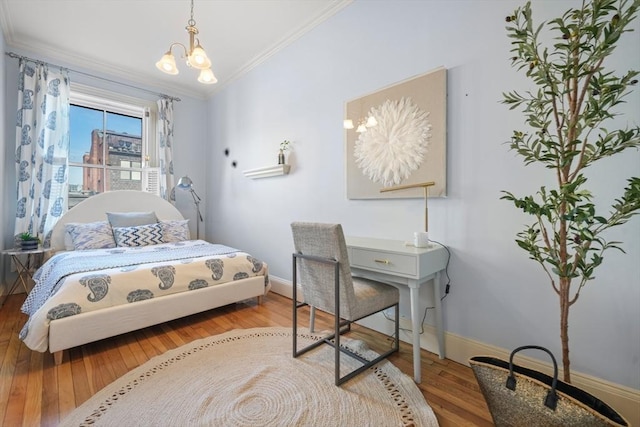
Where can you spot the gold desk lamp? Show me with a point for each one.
(425, 186)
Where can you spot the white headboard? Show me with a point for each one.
(95, 208)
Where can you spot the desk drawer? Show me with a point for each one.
(383, 261)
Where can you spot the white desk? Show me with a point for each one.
(394, 262)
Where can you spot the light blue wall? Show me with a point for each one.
(497, 296)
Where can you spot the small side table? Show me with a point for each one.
(24, 269)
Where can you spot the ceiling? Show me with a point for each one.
(125, 38)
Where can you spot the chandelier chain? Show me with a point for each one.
(192, 21)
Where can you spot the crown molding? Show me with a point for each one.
(332, 9)
(91, 65)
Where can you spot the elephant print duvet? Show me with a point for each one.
(77, 282)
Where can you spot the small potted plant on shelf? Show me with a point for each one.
(28, 242)
(284, 146)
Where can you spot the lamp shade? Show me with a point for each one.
(167, 64)
(185, 183)
(198, 58)
(207, 77)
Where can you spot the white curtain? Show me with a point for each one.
(42, 147)
(165, 139)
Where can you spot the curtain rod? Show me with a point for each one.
(37, 61)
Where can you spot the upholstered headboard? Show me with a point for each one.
(95, 208)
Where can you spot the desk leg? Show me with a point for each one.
(414, 292)
(438, 306)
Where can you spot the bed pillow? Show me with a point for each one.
(175, 230)
(142, 235)
(68, 241)
(131, 219)
(91, 235)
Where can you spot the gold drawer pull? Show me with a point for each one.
(382, 261)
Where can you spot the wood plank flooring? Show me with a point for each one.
(35, 392)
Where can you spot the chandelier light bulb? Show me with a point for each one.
(207, 77)
(361, 128)
(198, 58)
(167, 64)
(348, 124)
(371, 122)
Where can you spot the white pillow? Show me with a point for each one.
(91, 235)
(175, 230)
(68, 241)
(131, 219)
(142, 235)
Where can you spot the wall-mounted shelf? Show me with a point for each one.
(268, 171)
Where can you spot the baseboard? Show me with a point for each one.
(623, 399)
(281, 286)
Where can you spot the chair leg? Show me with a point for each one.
(295, 308)
(297, 352)
(397, 337)
(312, 318)
(366, 363)
(336, 316)
(340, 327)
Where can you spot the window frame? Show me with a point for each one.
(146, 110)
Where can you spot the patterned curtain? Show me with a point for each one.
(42, 147)
(165, 140)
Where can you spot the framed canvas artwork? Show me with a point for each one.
(396, 136)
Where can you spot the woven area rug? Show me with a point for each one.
(247, 377)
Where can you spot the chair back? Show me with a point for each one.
(316, 279)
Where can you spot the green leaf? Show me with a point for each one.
(567, 137)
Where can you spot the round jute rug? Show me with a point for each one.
(247, 377)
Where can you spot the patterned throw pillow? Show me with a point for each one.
(143, 235)
(91, 235)
(175, 230)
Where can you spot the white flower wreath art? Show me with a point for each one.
(390, 151)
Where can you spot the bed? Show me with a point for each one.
(158, 298)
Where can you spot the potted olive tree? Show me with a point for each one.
(573, 100)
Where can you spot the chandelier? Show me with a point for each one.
(196, 56)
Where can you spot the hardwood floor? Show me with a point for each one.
(33, 391)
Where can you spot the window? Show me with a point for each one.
(127, 174)
(112, 144)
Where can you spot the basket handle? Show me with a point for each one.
(551, 400)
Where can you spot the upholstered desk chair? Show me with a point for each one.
(322, 261)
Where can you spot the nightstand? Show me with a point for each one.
(34, 259)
